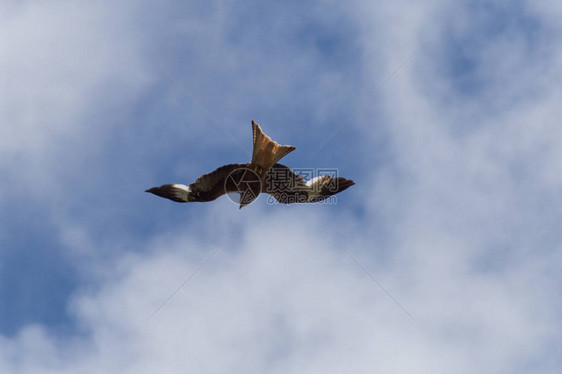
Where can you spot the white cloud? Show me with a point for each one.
(289, 300)
(63, 63)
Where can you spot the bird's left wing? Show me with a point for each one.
(219, 182)
(207, 187)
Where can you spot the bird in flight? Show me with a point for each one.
(263, 174)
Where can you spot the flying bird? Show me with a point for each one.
(262, 174)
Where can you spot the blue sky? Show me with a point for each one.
(449, 118)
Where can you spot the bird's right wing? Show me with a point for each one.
(288, 187)
(285, 185)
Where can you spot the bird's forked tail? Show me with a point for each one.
(266, 151)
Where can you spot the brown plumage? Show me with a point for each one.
(262, 174)
(266, 151)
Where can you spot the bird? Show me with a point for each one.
(262, 175)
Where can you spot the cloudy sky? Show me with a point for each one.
(444, 257)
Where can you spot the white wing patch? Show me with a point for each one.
(180, 191)
(315, 186)
(317, 181)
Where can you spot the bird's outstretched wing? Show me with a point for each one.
(288, 187)
(207, 187)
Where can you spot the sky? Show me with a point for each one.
(444, 257)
